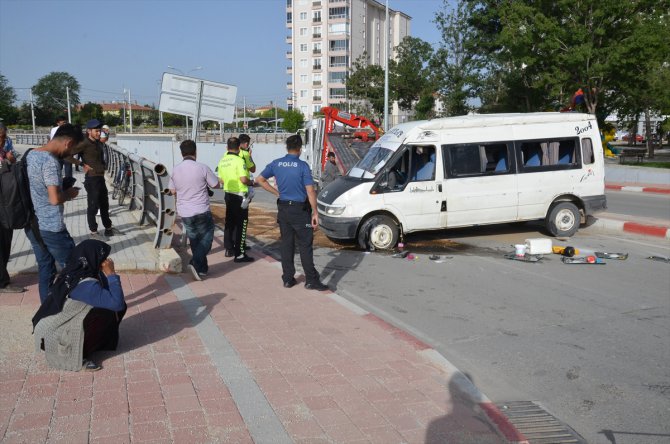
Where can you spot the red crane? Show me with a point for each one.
(333, 115)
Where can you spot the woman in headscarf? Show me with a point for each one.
(82, 311)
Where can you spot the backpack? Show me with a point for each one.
(16, 206)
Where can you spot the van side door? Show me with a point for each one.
(480, 185)
(412, 191)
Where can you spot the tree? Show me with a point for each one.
(293, 121)
(89, 111)
(50, 94)
(8, 112)
(410, 76)
(365, 83)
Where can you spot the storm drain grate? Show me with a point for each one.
(537, 425)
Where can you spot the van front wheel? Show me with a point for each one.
(378, 233)
(563, 219)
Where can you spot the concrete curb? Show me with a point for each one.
(614, 225)
(637, 189)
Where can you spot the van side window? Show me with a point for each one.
(423, 163)
(553, 154)
(587, 151)
(476, 159)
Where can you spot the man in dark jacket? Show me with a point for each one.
(92, 155)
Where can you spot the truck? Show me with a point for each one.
(347, 135)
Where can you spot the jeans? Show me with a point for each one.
(58, 245)
(200, 232)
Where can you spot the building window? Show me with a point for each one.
(303, 63)
(338, 28)
(303, 31)
(316, 64)
(303, 78)
(303, 16)
(316, 16)
(336, 61)
(316, 49)
(303, 93)
(289, 17)
(303, 110)
(337, 77)
(339, 12)
(337, 93)
(317, 108)
(289, 3)
(303, 47)
(338, 45)
(316, 32)
(316, 77)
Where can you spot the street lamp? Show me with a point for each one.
(197, 68)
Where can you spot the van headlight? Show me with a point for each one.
(334, 210)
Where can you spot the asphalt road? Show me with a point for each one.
(588, 342)
(639, 204)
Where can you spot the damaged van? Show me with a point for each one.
(466, 171)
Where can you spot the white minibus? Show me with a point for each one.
(467, 171)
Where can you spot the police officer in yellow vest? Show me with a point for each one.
(245, 152)
(234, 177)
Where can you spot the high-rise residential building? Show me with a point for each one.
(325, 38)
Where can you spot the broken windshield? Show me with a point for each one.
(372, 163)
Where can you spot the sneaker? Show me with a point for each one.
(194, 273)
(95, 234)
(109, 232)
(243, 258)
(89, 366)
(229, 253)
(12, 289)
(318, 286)
(202, 275)
(290, 283)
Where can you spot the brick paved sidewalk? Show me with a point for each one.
(235, 358)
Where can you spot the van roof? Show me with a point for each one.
(481, 120)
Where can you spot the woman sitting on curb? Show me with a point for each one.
(83, 309)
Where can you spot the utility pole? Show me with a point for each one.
(276, 118)
(386, 69)
(67, 93)
(245, 125)
(32, 110)
(130, 110)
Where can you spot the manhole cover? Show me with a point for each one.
(537, 425)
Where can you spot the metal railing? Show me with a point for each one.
(148, 191)
(30, 139)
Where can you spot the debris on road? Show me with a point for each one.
(401, 254)
(439, 259)
(538, 246)
(525, 258)
(660, 259)
(620, 256)
(591, 260)
(565, 251)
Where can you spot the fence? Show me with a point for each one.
(147, 190)
(203, 136)
(30, 139)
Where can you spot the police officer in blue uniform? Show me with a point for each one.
(296, 212)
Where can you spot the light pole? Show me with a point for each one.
(197, 68)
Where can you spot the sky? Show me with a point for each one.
(112, 45)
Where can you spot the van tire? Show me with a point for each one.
(563, 219)
(378, 233)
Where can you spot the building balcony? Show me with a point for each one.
(316, 4)
(289, 85)
(289, 54)
(289, 70)
(289, 39)
(316, 99)
(316, 20)
(316, 52)
(316, 36)
(316, 83)
(316, 68)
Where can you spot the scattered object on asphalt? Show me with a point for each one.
(439, 259)
(412, 257)
(660, 259)
(538, 245)
(565, 251)
(401, 245)
(520, 250)
(525, 258)
(620, 256)
(591, 260)
(401, 254)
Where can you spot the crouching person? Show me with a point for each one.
(82, 311)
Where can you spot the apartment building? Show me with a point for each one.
(325, 38)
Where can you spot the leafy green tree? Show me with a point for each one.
(410, 75)
(365, 83)
(293, 121)
(89, 111)
(50, 94)
(8, 112)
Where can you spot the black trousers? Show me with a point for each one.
(237, 219)
(101, 330)
(98, 199)
(295, 226)
(5, 249)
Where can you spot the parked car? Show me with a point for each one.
(638, 137)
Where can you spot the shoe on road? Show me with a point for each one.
(318, 286)
(12, 289)
(194, 272)
(290, 283)
(90, 366)
(243, 258)
(109, 232)
(229, 253)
